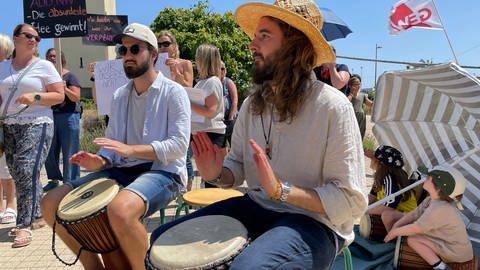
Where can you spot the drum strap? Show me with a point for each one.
(55, 252)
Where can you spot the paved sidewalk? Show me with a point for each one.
(39, 255)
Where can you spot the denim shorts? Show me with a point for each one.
(157, 188)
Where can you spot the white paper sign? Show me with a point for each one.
(109, 76)
(160, 65)
(197, 96)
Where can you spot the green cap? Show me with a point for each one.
(448, 179)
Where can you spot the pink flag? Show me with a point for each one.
(413, 13)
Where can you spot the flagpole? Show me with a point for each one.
(445, 32)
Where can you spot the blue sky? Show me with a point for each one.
(367, 19)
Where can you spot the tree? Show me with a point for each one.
(198, 25)
(424, 63)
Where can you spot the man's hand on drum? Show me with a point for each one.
(265, 173)
(122, 149)
(208, 157)
(89, 161)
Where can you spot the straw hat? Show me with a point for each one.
(304, 15)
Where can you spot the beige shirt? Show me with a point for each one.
(320, 149)
(442, 224)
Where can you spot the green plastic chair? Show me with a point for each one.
(181, 205)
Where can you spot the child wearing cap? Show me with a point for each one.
(389, 177)
(435, 228)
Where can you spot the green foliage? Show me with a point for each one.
(88, 103)
(92, 127)
(369, 143)
(198, 25)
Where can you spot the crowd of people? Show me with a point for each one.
(303, 106)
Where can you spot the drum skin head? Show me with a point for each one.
(198, 243)
(365, 226)
(87, 199)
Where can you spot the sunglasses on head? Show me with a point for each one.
(165, 44)
(30, 36)
(134, 49)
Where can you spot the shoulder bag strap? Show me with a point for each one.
(16, 83)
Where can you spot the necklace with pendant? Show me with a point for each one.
(267, 137)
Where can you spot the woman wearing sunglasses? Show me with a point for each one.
(181, 70)
(27, 81)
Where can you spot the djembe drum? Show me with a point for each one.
(207, 242)
(83, 214)
(372, 228)
(406, 258)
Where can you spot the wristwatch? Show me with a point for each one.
(286, 188)
(37, 98)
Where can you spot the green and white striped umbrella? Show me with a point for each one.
(432, 116)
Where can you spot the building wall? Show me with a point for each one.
(79, 56)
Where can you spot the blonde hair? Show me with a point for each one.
(6, 46)
(208, 61)
(176, 53)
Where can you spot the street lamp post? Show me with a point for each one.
(376, 49)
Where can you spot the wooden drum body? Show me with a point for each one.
(83, 213)
(207, 242)
(406, 258)
(372, 228)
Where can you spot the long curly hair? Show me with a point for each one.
(399, 174)
(291, 72)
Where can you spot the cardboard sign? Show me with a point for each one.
(109, 76)
(103, 28)
(56, 18)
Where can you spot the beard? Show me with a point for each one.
(264, 70)
(136, 71)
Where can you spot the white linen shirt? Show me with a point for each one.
(166, 127)
(320, 149)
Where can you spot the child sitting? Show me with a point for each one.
(389, 178)
(435, 229)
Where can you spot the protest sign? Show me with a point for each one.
(56, 19)
(102, 29)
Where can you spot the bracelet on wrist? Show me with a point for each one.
(216, 180)
(286, 188)
(278, 191)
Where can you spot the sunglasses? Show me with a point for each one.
(164, 44)
(134, 49)
(30, 36)
(222, 69)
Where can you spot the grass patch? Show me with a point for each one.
(93, 127)
(369, 143)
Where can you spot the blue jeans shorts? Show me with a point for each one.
(157, 188)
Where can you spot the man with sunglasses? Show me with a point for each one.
(144, 150)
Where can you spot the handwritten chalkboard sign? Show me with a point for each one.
(56, 18)
(103, 28)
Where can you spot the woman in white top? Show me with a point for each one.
(7, 214)
(209, 62)
(28, 133)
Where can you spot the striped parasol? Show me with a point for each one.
(432, 116)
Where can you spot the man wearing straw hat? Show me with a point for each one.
(296, 143)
